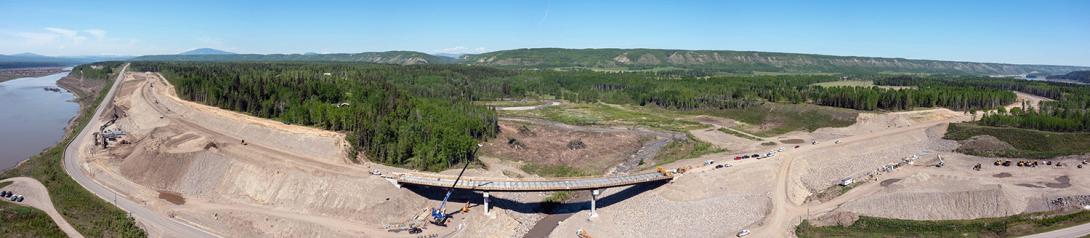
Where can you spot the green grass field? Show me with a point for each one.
(20, 221)
(772, 119)
(679, 150)
(90, 215)
(554, 170)
(609, 114)
(1011, 226)
(1027, 143)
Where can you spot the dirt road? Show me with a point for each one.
(37, 196)
(74, 168)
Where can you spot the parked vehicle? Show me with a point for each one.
(796, 146)
(743, 232)
(737, 157)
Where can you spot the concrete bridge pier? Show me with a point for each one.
(593, 202)
(486, 210)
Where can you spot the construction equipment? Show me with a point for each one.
(414, 225)
(941, 163)
(664, 171)
(439, 214)
(582, 234)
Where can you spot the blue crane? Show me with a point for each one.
(439, 214)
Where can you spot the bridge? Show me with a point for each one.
(486, 185)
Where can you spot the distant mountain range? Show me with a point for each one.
(388, 57)
(206, 51)
(707, 61)
(743, 61)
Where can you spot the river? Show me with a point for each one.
(32, 118)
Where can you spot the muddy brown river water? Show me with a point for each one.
(33, 114)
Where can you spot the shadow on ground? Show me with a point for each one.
(580, 202)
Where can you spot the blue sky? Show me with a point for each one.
(1037, 32)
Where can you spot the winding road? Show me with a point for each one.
(145, 216)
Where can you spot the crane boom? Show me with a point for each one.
(439, 214)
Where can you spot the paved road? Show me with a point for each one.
(36, 195)
(1074, 231)
(163, 225)
(529, 185)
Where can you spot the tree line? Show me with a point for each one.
(1067, 113)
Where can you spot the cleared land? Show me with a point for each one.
(608, 114)
(547, 147)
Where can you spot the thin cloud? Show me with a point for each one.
(97, 33)
(65, 41)
(62, 31)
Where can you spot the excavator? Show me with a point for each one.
(439, 215)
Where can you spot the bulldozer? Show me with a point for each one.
(664, 171)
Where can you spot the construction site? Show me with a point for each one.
(235, 175)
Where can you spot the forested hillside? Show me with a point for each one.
(1081, 76)
(744, 62)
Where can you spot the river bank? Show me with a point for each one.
(36, 113)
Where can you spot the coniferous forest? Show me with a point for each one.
(422, 116)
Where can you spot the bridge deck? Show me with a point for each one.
(527, 185)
